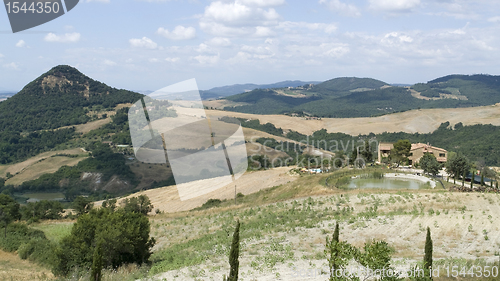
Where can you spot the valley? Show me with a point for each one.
(286, 211)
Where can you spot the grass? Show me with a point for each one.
(275, 220)
(54, 230)
(13, 268)
(287, 224)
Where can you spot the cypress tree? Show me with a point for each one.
(96, 269)
(472, 181)
(333, 252)
(336, 233)
(234, 253)
(428, 253)
(482, 179)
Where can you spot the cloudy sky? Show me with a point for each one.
(149, 44)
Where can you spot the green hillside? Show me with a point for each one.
(343, 86)
(363, 97)
(60, 97)
(63, 96)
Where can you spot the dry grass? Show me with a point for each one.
(45, 166)
(422, 121)
(167, 199)
(19, 167)
(13, 268)
(87, 127)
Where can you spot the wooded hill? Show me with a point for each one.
(363, 97)
(60, 97)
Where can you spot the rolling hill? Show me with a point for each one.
(60, 97)
(349, 97)
(224, 91)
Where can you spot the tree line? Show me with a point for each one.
(107, 237)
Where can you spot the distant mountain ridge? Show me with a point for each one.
(224, 91)
(347, 97)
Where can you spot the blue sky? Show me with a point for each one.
(150, 44)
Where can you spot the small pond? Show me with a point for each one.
(386, 183)
(35, 197)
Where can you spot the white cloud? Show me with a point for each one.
(12, 65)
(290, 26)
(179, 33)
(207, 60)
(494, 19)
(109, 62)
(239, 18)
(172, 60)
(21, 44)
(66, 38)
(144, 42)
(204, 48)
(237, 13)
(262, 3)
(394, 5)
(219, 42)
(342, 8)
(1, 55)
(263, 31)
(335, 51)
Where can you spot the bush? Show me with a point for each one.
(38, 250)
(17, 234)
(123, 235)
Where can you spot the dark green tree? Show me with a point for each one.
(96, 269)
(376, 255)
(428, 254)
(367, 152)
(234, 254)
(82, 205)
(457, 165)
(9, 211)
(429, 164)
(42, 210)
(400, 152)
(122, 237)
(338, 253)
(140, 204)
(336, 233)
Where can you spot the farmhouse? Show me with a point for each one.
(416, 152)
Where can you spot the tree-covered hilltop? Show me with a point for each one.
(363, 97)
(60, 97)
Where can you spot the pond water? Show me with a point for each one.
(35, 197)
(386, 183)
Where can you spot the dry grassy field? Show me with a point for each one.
(167, 199)
(422, 121)
(465, 227)
(22, 166)
(14, 268)
(47, 165)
